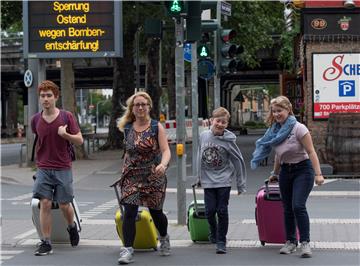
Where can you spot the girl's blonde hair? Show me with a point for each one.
(128, 116)
(282, 102)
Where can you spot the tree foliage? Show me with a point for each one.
(256, 22)
(11, 16)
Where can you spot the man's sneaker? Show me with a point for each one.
(74, 235)
(164, 245)
(305, 250)
(220, 248)
(288, 248)
(43, 249)
(126, 256)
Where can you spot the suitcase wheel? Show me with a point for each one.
(263, 243)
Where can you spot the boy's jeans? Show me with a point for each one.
(216, 204)
(296, 182)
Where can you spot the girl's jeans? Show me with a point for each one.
(216, 204)
(296, 182)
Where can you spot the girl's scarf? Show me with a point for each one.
(272, 137)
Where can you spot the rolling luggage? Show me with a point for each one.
(269, 214)
(197, 223)
(59, 233)
(146, 234)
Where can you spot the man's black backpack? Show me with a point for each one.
(34, 122)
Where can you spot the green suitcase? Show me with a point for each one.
(196, 220)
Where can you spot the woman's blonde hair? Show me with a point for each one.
(128, 116)
(282, 102)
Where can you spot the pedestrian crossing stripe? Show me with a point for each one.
(316, 221)
(8, 254)
(353, 246)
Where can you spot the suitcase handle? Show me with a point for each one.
(118, 197)
(267, 190)
(195, 201)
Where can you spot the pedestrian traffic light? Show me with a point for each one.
(240, 65)
(226, 51)
(203, 49)
(175, 8)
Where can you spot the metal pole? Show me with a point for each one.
(37, 66)
(137, 47)
(194, 107)
(217, 60)
(180, 119)
(97, 115)
(81, 106)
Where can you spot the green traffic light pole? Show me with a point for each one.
(194, 107)
(216, 57)
(180, 119)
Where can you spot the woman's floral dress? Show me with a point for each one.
(139, 186)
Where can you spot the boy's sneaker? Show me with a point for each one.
(43, 249)
(220, 248)
(126, 256)
(305, 250)
(288, 248)
(74, 235)
(164, 245)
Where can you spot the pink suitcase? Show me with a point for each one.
(269, 214)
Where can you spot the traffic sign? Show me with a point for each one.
(187, 52)
(206, 69)
(225, 9)
(28, 78)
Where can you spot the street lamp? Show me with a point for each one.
(97, 113)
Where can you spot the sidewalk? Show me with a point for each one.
(98, 161)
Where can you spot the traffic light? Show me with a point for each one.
(226, 51)
(175, 8)
(203, 50)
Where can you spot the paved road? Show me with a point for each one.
(334, 211)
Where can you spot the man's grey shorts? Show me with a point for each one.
(54, 185)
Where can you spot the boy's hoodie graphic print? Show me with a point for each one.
(213, 156)
(218, 156)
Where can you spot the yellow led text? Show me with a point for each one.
(70, 19)
(88, 32)
(72, 45)
(60, 7)
(53, 34)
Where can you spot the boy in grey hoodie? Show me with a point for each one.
(220, 161)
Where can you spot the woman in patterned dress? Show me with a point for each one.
(143, 181)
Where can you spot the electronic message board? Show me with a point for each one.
(70, 29)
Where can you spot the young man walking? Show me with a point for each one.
(55, 129)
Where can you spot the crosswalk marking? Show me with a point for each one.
(316, 221)
(21, 197)
(99, 209)
(26, 234)
(8, 254)
(354, 246)
(313, 193)
(11, 252)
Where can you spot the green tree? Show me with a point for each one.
(11, 16)
(256, 22)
